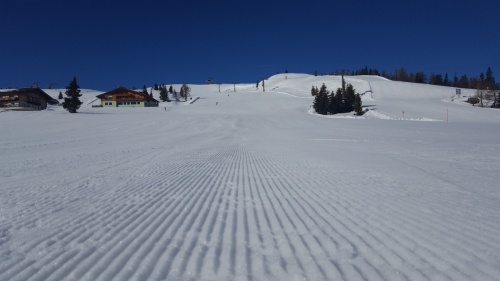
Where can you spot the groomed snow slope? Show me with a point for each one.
(253, 188)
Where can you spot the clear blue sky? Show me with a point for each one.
(107, 43)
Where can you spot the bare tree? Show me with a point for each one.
(185, 91)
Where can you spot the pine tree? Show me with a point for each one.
(60, 95)
(72, 102)
(420, 77)
(333, 104)
(170, 90)
(349, 97)
(490, 80)
(463, 82)
(164, 94)
(339, 101)
(314, 91)
(321, 101)
(357, 105)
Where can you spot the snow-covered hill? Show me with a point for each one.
(248, 185)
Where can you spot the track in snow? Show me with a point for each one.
(242, 200)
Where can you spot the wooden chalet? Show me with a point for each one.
(123, 97)
(24, 99)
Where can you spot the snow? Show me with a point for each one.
(253, 188)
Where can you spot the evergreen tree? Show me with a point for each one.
(463, 82)
(436, 79)
(170, 90)
(455, 80)
(357, 105)
(321, 101)
(339, 101)
(333, 104)
(349, 98)
(490, 80)
(420, 77)
(60, 95)
(164, 94)
(446, 81)
(314, 91)
(72, 102)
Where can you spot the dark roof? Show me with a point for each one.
(123, 90)
(29, 90)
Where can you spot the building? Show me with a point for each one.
(25, 99)
(123, 97)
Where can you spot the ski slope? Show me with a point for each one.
(249, 185)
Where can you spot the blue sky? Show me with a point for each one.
(107, 43)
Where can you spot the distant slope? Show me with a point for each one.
(386, 99)
(391, 100)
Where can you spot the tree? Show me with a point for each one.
(72, 102)
(164, 94)
(321, 101)
(446, 81)
(349, 98)
(436, 79)
(455, 80)
(420, 77)
(339, 101)
(463, 82)
(357, 105)
(333, 103)
(314, 91)
(185, 90)
(490, 80)
(60, 95)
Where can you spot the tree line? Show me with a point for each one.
(343, 100)
(485, 80)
